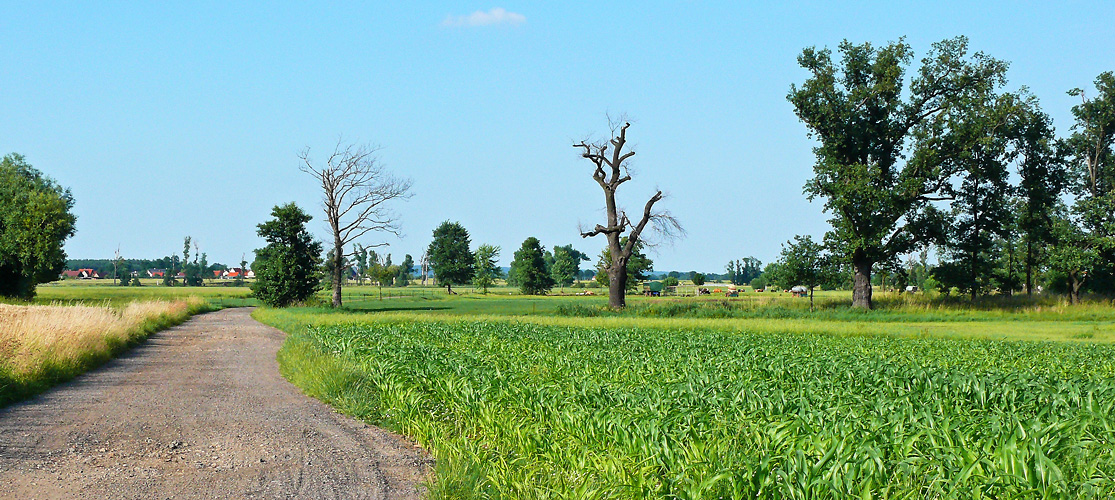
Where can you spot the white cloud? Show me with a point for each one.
(496, 16)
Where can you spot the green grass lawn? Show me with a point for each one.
(95, 292)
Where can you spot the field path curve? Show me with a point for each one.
(198, 411)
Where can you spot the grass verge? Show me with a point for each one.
(44, 345)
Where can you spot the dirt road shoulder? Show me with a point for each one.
(198, 411)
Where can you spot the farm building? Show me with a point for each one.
(81, 274)
(234, 273)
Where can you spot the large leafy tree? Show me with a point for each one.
(980, 213)
(566, 265)
(405, 271)
(35, 221)
(1093, 173)
(449, 255)
(883, 144)
(486, 269)
(1042, 178)
(529, 268)
(1072, 256)
(287, 268)
(806, 263)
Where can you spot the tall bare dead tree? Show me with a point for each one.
(611, 162)
(355, 192)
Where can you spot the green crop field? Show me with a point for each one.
(528, 397)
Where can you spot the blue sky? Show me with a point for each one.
(186, 120)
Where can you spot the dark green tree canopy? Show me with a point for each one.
(405, 271)
(449, 254)
(1042, 178)
(1072, 256)
(743, 271)
(884, 147)
(567, 264)
(1091, 145)
(1093, 138)
(486, 269)
(35, 221)
(806, 263)
(287, 268)
(980, 214)
(697, 278)
(529, 268)
(1086, 253)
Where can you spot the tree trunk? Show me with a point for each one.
(617, 287)
(972, 279)
(338, 272)
(1029, 267)
(810, 299)
(861, 284)
(1074, 285)
(1010, 268)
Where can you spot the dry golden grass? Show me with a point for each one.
(42, 345)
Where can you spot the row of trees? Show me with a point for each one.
(194, 273)
(674, 278)
(370, 266)
(356, 192)
(739, 272)
(902, 167)
(119, 266)
(534, 269)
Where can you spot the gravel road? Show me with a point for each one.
(198, 411)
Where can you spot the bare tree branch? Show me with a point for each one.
(355, 193)
(610, 171)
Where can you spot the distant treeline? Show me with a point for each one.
(104, 266)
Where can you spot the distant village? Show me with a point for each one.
(93, 274)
